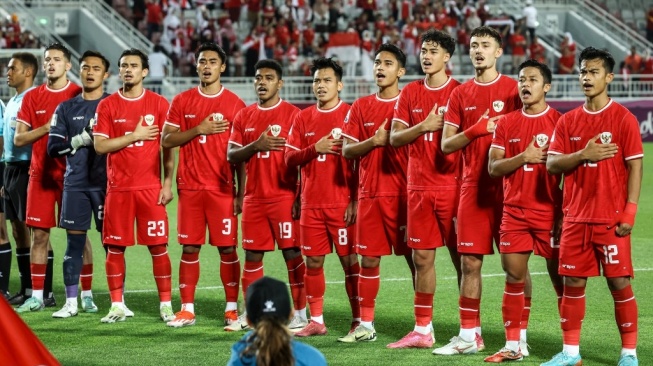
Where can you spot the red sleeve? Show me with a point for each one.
(236, 137)
(498, 140)
(559, 139)
(25, 113)
(453, 116)
(632, 141)
(103, 120)
(163, 111)
(296, 154)
(174, 117)
(351, 125)
(402, 109)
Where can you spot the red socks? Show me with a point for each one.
(368, 288)
(86, 277)
(469, 312)
(38, 275)
(513, 309)
(572, 313)
(423, 309)
(230, 275)
(162, 270)
(351, 285)
(315, 287)
(189, 275)
(251, 272)
(526, 314)
(625, 313)
(296, 271)
(115, 268)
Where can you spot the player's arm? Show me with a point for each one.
(626, 220)
(240, 189)
(24, 136)
(172, 136)
(452, 140)
(499, 166)
(593, 152)
(401, 135)
(165, 196)
(352, 149)
(105, 145)
(240, 154)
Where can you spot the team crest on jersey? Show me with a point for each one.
(606, 137)
(541, 139)
(497, 105)
(442, 110)
(218, 117)
(276, 130)
(149, 119)
(53, 120)
(336, 133)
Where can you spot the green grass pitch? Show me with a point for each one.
(145, 339)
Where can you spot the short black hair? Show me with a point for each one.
(211, 46)
(28, 60)
(544, 69)
(591, 53)
(326, 63)
(389, 47)
(136, 52)
(485, 31)
(59, 47)
(270, 64)
(97, 54)
(442, 39)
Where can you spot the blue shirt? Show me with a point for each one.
(11, 152)
(304, 354)
(85, 170)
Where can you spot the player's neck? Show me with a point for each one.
(436, 80)
(22, 87)
(270, 102)
(92, 94)
(57, 84)
(486, 75)
(597, 102)
(535, 108)
(211, 89)
(325, 106)
(132, 91)
(388, 92)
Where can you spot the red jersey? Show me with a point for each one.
(531, 186)
(327, 180)
(428, 168)
(597, 192)
(203, 160)
(268, 177)
(467, 104)
(38, 109)
(382, 172)
(518, 44)
(137, 166)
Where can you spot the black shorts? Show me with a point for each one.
(2, 180)
(16, 177)
(78, 207)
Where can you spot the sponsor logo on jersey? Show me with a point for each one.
(470, 108)
(368, 124)
(249, 241)
(466, 243)
(250, 129)
(568, 266)
(184, 236)
(361, 246)
(416, 240)
(504, 243)
(497, 105)
(77, 118)
(309, 134)
(306, 247)
(276, 130)
(417, 110)
(336, 133)
(575, 138)
(606, 137)
(541, 139)
(514, 140)
(32, 218)
(69, 221)
(218, 117)
(40, 112)
(149, 120)
(189, 116)
(115, 237)
(120, 120)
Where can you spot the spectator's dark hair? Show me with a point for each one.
(399, 54)
(270, 64)
(28, 60)
(97, 54)
(326, 63)
(485, 31)
(591, 53)
(136, 52)
(544, 69)
(442, 39)
(211, 46)
(59, 47)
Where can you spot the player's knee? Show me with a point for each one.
(370, 262)
(471, 264)
(618, 283)
(314, 262)
(192, 249)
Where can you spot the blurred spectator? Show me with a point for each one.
(473, 21)
(633, 61)
(233, 8)
(530, 13)
(483, 11)
(158, 68)
(537, 51)
(647, 69)
(154, 17)
(649, 24)
(518, 46)
(138, 12)
(171, 23)
(367, 56)
(567, 55)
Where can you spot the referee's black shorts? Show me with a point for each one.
(16, 177)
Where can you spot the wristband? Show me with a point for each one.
(477, 130)
(628, 215)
